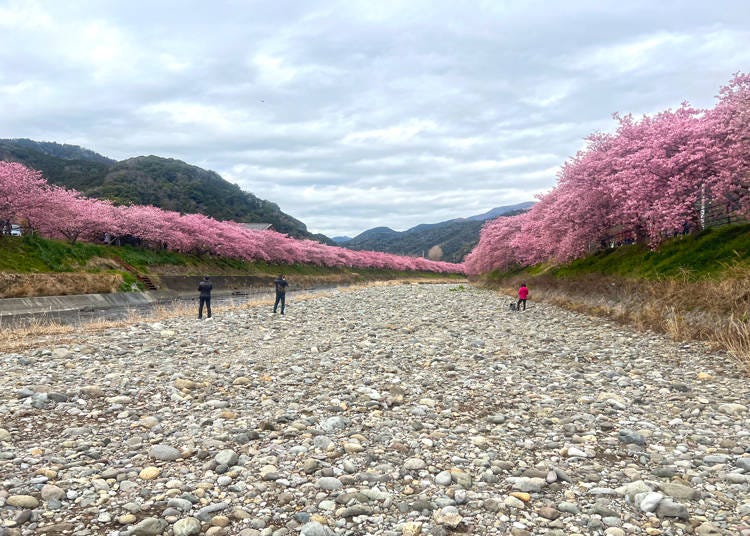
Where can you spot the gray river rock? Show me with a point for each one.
(394, 410)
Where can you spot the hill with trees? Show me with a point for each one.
(448, 241)
(150, 180)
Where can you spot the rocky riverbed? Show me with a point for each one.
(403, 410)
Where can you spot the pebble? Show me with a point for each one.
(22, 501)
(164, 453)
(396, 410)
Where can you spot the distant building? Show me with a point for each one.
(258, 226)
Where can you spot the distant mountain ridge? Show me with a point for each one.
(455, 238)
(150, 180)
(503, 211)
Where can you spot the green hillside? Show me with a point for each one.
(708, 253)
(455, 239)
(150, 180)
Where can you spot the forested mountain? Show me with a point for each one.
(150, 180)
(454, 238)
(508, 210)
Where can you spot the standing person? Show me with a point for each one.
(280, 284)
(523, 293)
(204, 287)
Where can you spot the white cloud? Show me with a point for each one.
(272, 70)
(630, 56)
(396, 134)
(24, 15)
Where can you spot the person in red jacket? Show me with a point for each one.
(523, 293)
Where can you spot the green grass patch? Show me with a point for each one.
(33, 254)
(706, 254)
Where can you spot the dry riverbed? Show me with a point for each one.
(403, 410)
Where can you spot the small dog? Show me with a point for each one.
(512, 306)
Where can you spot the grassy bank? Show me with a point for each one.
(695, 287)
(33, 266)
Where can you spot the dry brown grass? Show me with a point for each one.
(13, 285)
(38, 330)
(715, 311)
(736, 339)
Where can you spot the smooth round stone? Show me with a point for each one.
(313, 528)
(327, 505)
(220, 521)
(52, 492)
(126, 519)
(149, 473)
(649, 501)
(462, 479)
(150, 526)
(414, 464)
(514, 502)
(148, 422)
(188, 526)
(733, 409)
(353, 447)
(164, 453)
(333, 424)
(569, 507)
(548, 512)
(574, 452)
(329, 483)
(443, 478)
(180, 504)
(22, 501)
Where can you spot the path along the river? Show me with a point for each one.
(402, 410)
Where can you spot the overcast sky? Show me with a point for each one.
(356, 114)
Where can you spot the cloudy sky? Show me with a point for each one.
(356, 114)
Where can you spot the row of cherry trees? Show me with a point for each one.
(650, 179)
(56, 212)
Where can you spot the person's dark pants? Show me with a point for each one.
(518, 305)
(207, 302)
(280, 298)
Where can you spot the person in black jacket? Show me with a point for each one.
(280, 284)
(204, 287)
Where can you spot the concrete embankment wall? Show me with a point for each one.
(187, 284)
(79, 302)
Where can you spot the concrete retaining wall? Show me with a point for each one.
(181, 283)
(81, 302)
